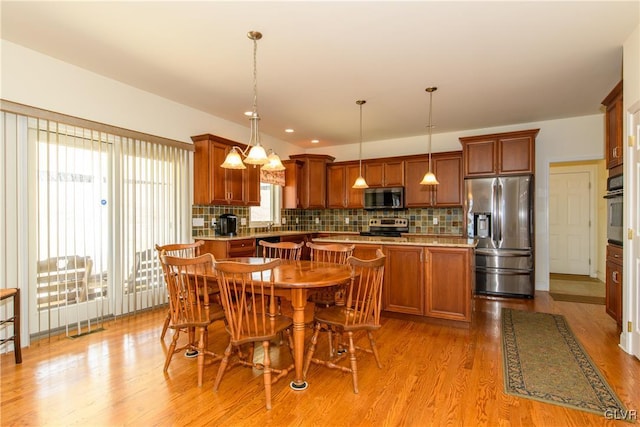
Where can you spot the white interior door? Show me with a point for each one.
(633, 215)
(569, 222)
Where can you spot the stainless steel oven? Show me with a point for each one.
(615, 211)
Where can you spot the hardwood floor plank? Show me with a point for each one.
(432, 374)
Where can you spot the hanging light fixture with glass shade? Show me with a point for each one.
(360, 181)
(429, 177)
(254, 153)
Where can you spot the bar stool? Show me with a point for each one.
(15, 293)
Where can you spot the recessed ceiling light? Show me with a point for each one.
(289, 130)
(315, 141)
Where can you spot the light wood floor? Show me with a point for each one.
(433, 375)
(576, 285)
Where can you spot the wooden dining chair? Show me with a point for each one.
(283, 250)
(188, 283)
(183, 250)
(361, 312)
(335, 253)
(247, 293)
(14, 319)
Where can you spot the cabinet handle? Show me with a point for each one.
(614, 277)
(615, 152)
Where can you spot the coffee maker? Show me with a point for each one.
(227, 225)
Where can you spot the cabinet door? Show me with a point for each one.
(374, 173)
(448, 283)
(291, 196)
(448, 171)
(354, 196)
(479, 157)
(336, 186)
(416, 195)
(366, 251)
(234, 180)
(515, 155)
(219, 185)
(614, 291)
(315, 190)
(394, 174)
(613, 132)
(252, 186)
(403, 287)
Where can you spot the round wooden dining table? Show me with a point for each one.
(294, 281)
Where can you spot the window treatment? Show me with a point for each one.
(82, 219)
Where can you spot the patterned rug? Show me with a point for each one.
(544, 361)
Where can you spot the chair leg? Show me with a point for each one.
(312, 349)
(354, 364)
(201, 346)
(167, 320)
(172, 349)
(266, 361)
(223, 366)
(17, 348)
(374, 348)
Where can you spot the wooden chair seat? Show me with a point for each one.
(344, 318)
(14, 319)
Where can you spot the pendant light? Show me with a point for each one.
(429, 178)
(360, 181)
(256, 155)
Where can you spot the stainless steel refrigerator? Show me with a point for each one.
(500, 215)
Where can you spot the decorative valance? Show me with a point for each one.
(272, 177)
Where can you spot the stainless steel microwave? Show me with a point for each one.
(384, 198)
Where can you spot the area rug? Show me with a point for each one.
(544, 361)
(577, 298)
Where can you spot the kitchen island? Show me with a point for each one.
(426, 277)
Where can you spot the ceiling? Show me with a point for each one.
(494, 63)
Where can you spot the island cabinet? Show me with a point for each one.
(340, 179)
(313, 182)
(449, 283)
(366, 251)
(613, 124)
(613, 284)
(403, 288)
(384, 172)
(509, 153)
(221, 249)
(448, 170)
(214, 185)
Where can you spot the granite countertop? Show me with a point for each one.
(354, 237)
(406, 240)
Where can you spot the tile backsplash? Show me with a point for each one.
(450, 220)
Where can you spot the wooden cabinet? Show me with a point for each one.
(366, 251)
(448, 283)
(510, 153)
(214, 185)
(448, 169)
(313, 183)
(292, 192)
(613, 125)
(403, 289)
(221, 249)
(384, 172)
(614, 284)
(340, 179)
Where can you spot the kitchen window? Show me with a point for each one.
(268, 213)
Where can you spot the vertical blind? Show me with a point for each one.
(96, 204)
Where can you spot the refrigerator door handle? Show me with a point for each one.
(494, 218)
(497, 212)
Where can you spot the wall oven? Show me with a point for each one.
(615, 211)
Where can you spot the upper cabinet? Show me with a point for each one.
(313, 182)
(340, 179)
(292, 192)
(509, 153)
(384, 172)
(613, 123)
(448, 170)
(213, 185)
